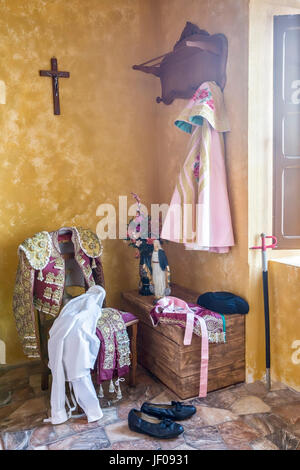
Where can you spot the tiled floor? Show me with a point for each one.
(238, 417)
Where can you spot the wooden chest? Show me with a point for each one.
(161, 349)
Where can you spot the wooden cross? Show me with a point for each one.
(55, 75)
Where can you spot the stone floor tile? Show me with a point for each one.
(30, 407)
(184, 447)
(170, 444)
(140, 444)
(22, 394)
(240, 390)
(95, 439)
(82, 424)
(124, 408)
(235, 433)
(5, 411)
(257, 388)
(282, 397)
(205, 438)
(120, 431)
(275, 385)
(35, 381)
(264, 423)
(21, 424)
(249, 404)
(290, 413)
(16, 376)
(26, 414)
(195, 421)
(141, 391)
(295, 429)
(42, 435)
(16, 440)
(284, 439)
(241, 446)
(263, 444)
(5, 397)
(165, 397)
(218, 399)
(213, 416)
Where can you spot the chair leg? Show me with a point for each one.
(45, 378)
(133, 350)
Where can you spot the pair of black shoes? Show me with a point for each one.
(159, 420)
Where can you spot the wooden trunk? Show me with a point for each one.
(161, 349)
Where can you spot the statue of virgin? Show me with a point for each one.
(160, 271)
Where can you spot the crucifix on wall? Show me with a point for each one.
(55, 75)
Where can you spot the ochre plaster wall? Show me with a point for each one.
(56, 170)
(284, 281)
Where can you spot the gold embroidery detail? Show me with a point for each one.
(49, 278)
(45, 307)
(59, 263)
(56, 280)
(22, 304)
(87, 271)
(111, 325)
(37, 303)
(37, 250)
(54, 310)
(89, 242)
(56, 296)
(213, 337)
(48, 293)
(81, 260)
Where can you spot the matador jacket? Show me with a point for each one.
(40, 277)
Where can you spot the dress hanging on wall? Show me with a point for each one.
(199, 213)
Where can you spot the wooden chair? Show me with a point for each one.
(44, 325)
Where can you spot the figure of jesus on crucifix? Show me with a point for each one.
(55, 75)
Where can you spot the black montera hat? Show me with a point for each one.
(223, 302)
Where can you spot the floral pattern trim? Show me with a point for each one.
(204, 96)
(23, 307)
(37, 250)
(196, 168)
(113, 328)
(214, 336)
(89, 242)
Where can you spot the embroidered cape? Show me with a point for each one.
(199, 213)
(114, 354)
(40, 278)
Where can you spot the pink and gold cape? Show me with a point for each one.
(199, 213)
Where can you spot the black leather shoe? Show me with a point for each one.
(176, 411)
(145, 424)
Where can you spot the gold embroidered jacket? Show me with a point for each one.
(40, 277)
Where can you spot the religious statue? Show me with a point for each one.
(160, 271)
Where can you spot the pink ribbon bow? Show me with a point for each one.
(174, 305)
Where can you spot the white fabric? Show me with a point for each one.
(158, 276)
(73, 348)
